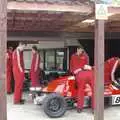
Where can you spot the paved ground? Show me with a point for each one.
(29, 111)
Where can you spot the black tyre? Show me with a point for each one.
(54, 105)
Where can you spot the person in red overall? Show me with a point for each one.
(35, 69)
(9, 69)
(77, 64)
(109, 69)
(18, 72)
(85, 77)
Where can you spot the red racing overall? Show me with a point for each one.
(109, 69)
(83, 78)
(77, 63)
(35, 70)
(9, 71)
(18, 72)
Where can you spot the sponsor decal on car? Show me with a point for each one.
(115, 99)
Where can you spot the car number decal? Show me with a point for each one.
(115, 99)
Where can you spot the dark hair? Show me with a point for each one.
(10, 48)
(80, 47)
(35, 48)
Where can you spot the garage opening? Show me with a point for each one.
(111, 48)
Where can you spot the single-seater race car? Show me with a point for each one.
(60, 94)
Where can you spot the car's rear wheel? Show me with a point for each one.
(54, 105)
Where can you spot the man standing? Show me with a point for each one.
(35, 69)
(9, 69)
(18, 72)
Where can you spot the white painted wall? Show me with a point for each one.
(27, 59)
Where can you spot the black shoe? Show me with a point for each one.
(79, 110)
(19, 103)
(22, 100)
(92, 111)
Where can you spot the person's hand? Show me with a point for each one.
(87, 67)
(7, 56)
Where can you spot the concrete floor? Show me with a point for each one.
(29, 111)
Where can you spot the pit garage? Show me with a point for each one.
(57, 33)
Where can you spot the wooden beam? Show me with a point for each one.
(80, 29)
(34, 6)
(3, 38)
(114, 24)
(79, 21)
(99, 70)
(113, 29)
(114, 10)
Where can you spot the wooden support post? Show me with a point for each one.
(3, 39)
(99, 70)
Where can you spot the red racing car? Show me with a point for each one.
(60, 94)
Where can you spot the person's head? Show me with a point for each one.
(34, 49)
(80, 50)
(21, 46)
(10, 49)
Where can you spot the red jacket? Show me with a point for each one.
(35, 62)
(78, 62)
(35, 70)
(109, 69)
(9, 61)
(18, 62)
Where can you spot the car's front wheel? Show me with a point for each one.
(54, 105)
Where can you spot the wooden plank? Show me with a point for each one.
(74, 2)
(99, 70)
(79, 22)
(34, 6)
(114, 10)
(3, 38)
